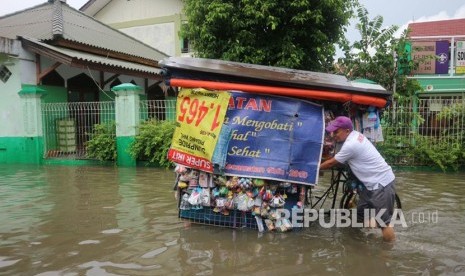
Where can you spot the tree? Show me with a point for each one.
(375, 56)
(297, 34)
(371, 52)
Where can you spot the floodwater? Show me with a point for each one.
(60, 220)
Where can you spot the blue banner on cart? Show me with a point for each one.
(274, 137)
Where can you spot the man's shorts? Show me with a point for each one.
(378, 200)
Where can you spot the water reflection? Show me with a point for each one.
(121, 221)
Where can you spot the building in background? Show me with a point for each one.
(157, 23)
(439, 47)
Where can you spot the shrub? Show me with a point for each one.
(447, 152)
(102, 143)
(153, 142)
(444, 152)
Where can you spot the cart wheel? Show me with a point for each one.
(320, 198)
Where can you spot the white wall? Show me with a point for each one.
(11, 111)
(123, 10)
(164, 40)
(154, 22)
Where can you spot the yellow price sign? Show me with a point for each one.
(200, 114)
(194, 111)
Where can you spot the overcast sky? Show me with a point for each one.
(9, 6)
(394, 12)
(403, 12)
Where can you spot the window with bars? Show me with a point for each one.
(4, 73)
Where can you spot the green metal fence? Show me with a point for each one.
(68, 126)
(158, 109)
(435, 125)
(418, 130)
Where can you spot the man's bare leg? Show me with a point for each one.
(388, 234)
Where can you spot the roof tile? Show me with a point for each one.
(450, 27)
(44, 22)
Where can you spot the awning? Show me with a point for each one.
(81, 59)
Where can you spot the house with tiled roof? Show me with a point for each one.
(155, 22)
(451, 27)
(53, 53)
(439, 46)
(444, 42)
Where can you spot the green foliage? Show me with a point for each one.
(454, 111)
(408, 141)
(394, 148)
(297, 34)
(445, 152)
(371, 57)
(375, 56)
(153, 142)
(102, 142)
